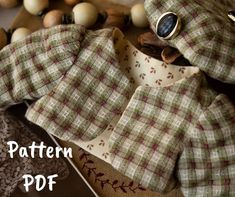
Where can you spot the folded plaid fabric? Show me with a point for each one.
(74, 71)
(183, 131)
(30, 68)
(12, 169)
(207, 36)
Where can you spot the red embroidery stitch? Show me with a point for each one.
(100, 177)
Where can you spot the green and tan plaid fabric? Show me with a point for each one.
(182, 132)
(207, 36)
(32, 67)
(76, 76)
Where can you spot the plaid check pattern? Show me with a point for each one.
(32, 67)
(207, 36)
(186, 131)
(88, 96)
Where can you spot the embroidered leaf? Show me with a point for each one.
(141, 188)
(142, 75)
(159, 81)
(170, 75)
(100, 174)
(102, 184)
(135, 53)
(128, 69)
(126, 47)
(115, 182)
(122, 188)
(126, 58)
(137, 64)
(164, 65)
(89, 161)
(82, 156)
(132, 80)
(181, 70)
(110, 128)
(89, 173)
(102, 143)
(153, 70)
(147, 59)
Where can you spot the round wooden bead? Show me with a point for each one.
(138, 16)
(53, 18)
(20, 33)
(8, 3)
(35, 7)
(72, 2)
(3, 38)
(85, 14)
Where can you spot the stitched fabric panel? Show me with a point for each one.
(88, 97)
(207, 164)
(32, 67)
(207, 36)
(150, 135)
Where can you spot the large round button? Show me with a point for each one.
(168, 25)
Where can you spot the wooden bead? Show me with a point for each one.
(169, 55)
(115, 18)
(85, 14)
(151, 39)
(35, 7)
(138, 16)
(3, 38)
(72, 2)
(8, 3)
(53, 18)
(20, 33)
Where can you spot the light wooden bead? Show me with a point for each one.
(8, 3)
(20, 34)
(3, 38)
(72, 2)
(35, 7)
(53, 18)
(138, 16)
(85, 14)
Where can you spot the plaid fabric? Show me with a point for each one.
(186, 131)
(91, 93)
(32, 67)
(76, 75)
(207, 36)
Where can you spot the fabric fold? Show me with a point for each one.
(30, 68)
(150, 142)
(91, 93)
